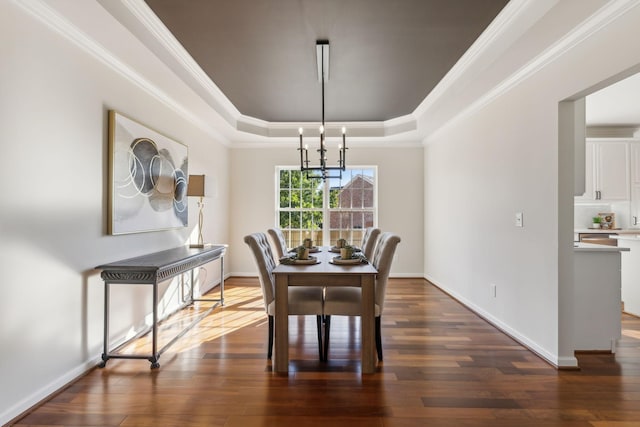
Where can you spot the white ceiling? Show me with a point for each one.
(615, 105)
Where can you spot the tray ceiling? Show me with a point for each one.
(385, 56)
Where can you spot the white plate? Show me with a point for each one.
(339, 261)
(292, 261)
(337, 249)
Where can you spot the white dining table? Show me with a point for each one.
(324, 273)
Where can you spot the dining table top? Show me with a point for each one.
(327, 263)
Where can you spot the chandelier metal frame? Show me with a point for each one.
(322, 58)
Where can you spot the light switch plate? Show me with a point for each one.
(518, 221)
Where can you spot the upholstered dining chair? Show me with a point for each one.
(369, 241)
(279, 242)
(303, 300)
(346, 301)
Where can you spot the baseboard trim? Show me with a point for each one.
(552, 359)
(29, 403)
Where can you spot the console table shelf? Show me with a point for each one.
(153, 269)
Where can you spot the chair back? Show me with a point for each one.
(261, 250)
(279, 242)
(382, 258)
(369, 241)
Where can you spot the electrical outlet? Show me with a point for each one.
(494, 290)
(519, 220)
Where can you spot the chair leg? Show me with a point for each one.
(327, 327)
(378, 338)
(319, 324)
(270, 344)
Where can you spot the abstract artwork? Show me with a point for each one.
(147, 178)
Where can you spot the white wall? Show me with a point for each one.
(53, 130)
(400, 199)
(506, 158)
(453, 202)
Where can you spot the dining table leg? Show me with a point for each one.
(281, 363)
(367, 325)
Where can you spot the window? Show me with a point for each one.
(348, 205)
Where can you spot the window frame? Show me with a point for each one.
(353, 235)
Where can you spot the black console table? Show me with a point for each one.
(151, 270)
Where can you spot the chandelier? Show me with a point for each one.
(325, 171)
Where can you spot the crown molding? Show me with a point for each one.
(594, 23)
(167, 47)
(180, 60)
(169, 50)
(400, 125)
(58, 23)
(363, 143)
(478, 49)
(378, 129)
(139, 19)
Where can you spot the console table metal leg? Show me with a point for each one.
(222, 280)
(219, 301)
(154, 338)
(105, 352)
(192, 285)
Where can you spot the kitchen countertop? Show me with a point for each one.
(605, 231)
(627, 237)
(590, 247)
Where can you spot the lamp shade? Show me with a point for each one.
(196, 186)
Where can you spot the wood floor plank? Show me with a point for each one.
(443, 366)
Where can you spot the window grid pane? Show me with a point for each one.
(301, 211)
(352, 206)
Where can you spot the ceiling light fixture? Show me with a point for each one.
(322, 58)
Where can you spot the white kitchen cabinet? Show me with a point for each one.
(607, 171)
(634, 149)
(634, 219)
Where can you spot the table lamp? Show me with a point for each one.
(196, 189)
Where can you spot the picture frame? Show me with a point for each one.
(148, 178)
(607, 220)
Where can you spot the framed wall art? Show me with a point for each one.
(148, 174)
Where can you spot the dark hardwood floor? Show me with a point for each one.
(443, 366)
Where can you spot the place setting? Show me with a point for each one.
(301, 254)
(349, 255)
(307, 243)
(341, 243)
